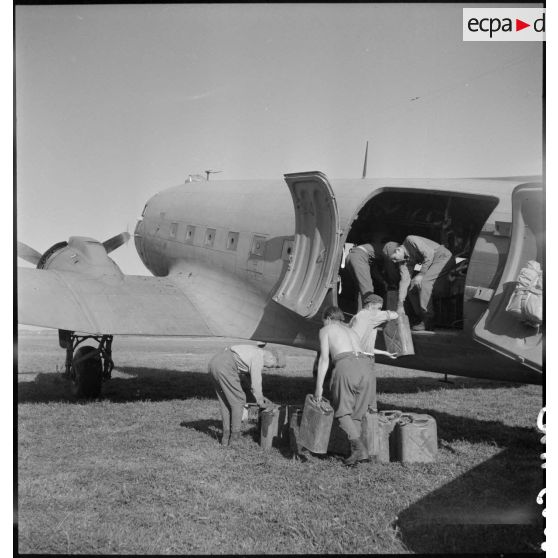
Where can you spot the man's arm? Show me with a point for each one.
(323, 363)
(384, 316)
(377, 277)
(256, 367)
(380, 352)
(425, 251)
(404, 282)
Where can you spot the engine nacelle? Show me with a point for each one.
(80, 254)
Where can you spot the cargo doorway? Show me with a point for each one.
(451, 219)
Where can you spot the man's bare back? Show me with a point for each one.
(335, 337)
(340, 339)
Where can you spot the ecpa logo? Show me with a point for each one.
(503, 24)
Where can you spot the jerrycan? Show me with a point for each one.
(417, 439)
(274, 426)
(269, 426)
(370, 436)
(338, 440)
(386, 438)
(371, 433)
(397, 333)
(315, 426)
(294, 431)
(251, 412)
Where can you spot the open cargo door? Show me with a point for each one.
(316, 244)
(497, 328)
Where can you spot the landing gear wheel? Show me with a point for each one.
(87, 373)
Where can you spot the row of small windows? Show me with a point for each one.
(258, 242)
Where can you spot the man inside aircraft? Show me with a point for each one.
(225, 369)
(365, 323)
(435, 262)
(350, 381)
(363, 265)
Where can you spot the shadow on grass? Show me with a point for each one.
(420, 384)
(159, 385)
(486, 510)
(163, 384)
(211, 428)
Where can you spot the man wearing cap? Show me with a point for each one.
(435, 262)
(365, 323)
(225, 369)
(350, 381)
(361, 260)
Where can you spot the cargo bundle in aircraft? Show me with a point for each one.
(243, 259)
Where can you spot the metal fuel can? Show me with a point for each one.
(274, 425)
(370, 436)
(338, 440)
(416, 438)
(371, 433)
(316, 423)
(387, 449)
(397, 333)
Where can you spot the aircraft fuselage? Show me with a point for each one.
(234, 242)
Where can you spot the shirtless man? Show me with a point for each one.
(350, 381)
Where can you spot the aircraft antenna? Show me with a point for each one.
(365, 161)
(208, 172)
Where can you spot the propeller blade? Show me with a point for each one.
(116, 241)
(27, 253)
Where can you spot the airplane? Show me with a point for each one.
(260, 259)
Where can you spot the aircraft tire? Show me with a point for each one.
(87, 373)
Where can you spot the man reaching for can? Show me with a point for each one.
(435, 262)
(225, 369)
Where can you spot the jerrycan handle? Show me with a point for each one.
(323, 404)
(392, 415)
(419, 420)
(270, 409)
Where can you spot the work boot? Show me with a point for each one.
(358, 453)
(234, 440)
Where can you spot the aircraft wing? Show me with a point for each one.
(123, 305)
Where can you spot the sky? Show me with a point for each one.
(117, 102)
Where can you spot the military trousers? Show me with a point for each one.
(230, 394)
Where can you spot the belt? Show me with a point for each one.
(349, 354)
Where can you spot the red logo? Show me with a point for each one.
(519, 25)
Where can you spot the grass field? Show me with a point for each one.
(141, 470)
